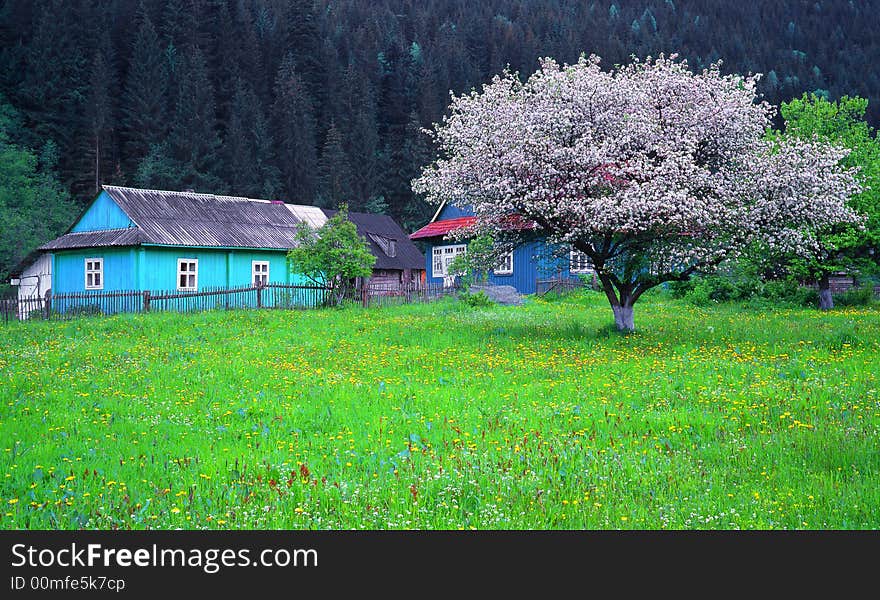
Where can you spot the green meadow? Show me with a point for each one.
(442, 416)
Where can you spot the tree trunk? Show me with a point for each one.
(826, 301)
(622, 305)
(623, 317)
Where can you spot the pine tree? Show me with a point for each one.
(335, 171)
(101, 113)
(54, 86)
(144, 97)
(300, 37)
(416, 153)
(178, 24)
(158, 170)
(194, 141)
(248, 147)
(294, 126)
(357, 124)
(393, 114)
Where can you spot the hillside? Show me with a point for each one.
(320, 102)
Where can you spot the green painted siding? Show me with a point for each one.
(103, 213)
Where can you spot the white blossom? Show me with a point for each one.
(652, 170)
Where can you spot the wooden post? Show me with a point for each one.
(365, 298)
(147, 301)
(259, 295)
(48, 304)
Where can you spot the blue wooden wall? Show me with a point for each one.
(154, 268)
(531, 261)
(70, 269)
(217, 267)
(450, 211)
(103, 213)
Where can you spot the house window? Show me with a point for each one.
(505, 266)
(260, 272)
(443, 255)
(388, 245)
(579, 262)
(94, 273)
(187, 273)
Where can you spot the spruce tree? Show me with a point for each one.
(294, 126)
(144, 95)
(248, 147)
(357, 124)
(101, 114)
(194, 141)
(335, 171)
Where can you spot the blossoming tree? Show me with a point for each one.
(844, 248)
(653, 171)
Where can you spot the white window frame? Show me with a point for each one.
(441, 256)
(505, 266)
(93, 267)
(259, 268)
(194, 272)
(576, 257)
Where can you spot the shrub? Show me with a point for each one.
(857, 296)
(477, 300)
(743, 286)
(680, 289)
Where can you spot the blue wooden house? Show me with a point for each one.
(521, 268)
(133, 239)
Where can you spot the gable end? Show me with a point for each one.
(103, 213)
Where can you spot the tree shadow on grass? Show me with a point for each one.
(570, 330)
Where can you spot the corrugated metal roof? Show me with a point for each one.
(129, 236)
(407, 256)
(312, 215)
(193, 219)
(190, 219)
(439, 228)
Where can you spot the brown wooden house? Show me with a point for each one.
(398, 261)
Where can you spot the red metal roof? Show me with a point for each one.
(439, 228)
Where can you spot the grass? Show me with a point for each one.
(442, 416)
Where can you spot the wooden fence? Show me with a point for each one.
(272, 296)
(382, 294)
(15, 309)
(560, 285)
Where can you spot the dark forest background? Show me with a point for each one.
(320, 102)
